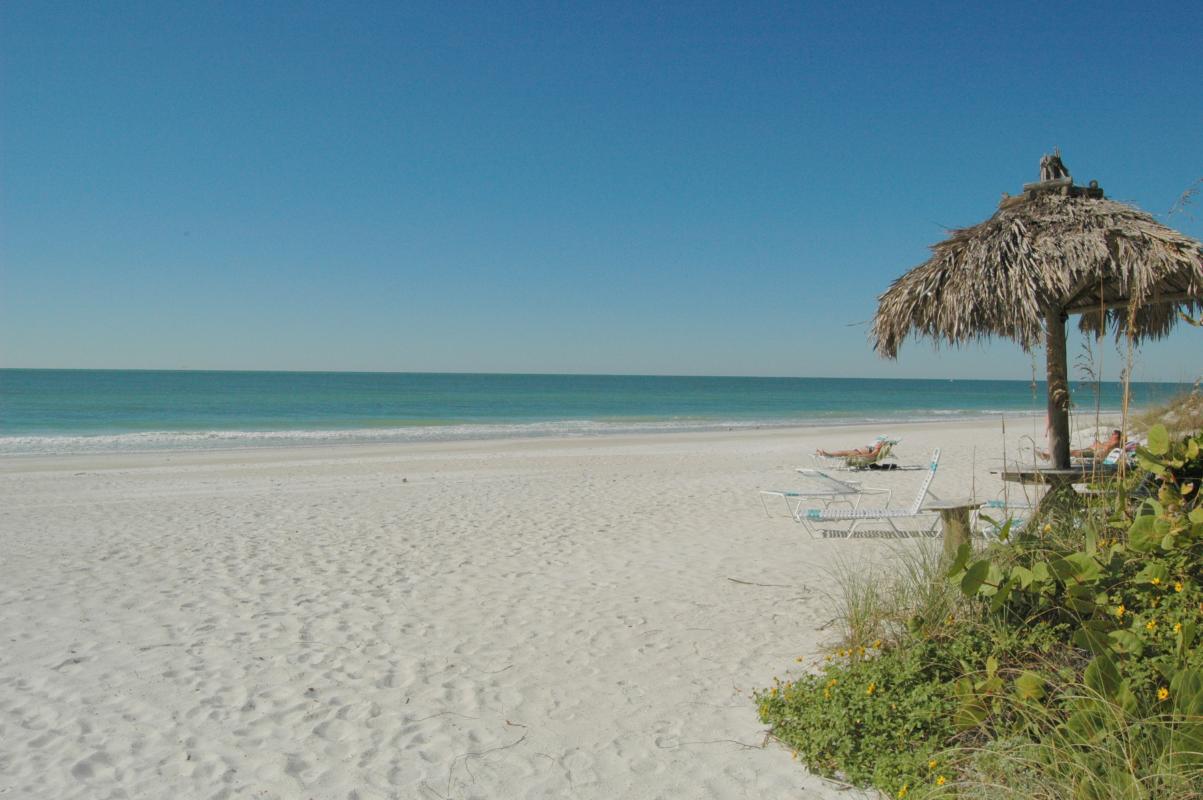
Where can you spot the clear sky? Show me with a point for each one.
(687, 188)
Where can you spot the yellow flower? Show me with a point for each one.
(940, 781)
(1048, 527)
(1178, 586)
(1177, 627)
(872, 688)
(1119, 611)
(1157, 581)
(931, 764)
(1151, 625)
(877, 644)
(902, 791)
(1163, 693)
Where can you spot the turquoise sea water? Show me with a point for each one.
(113, 410)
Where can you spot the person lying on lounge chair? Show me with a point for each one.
(860, 452)
(1097, 449)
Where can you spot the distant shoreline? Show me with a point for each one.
(167, 442)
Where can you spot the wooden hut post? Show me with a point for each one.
(1058, 387)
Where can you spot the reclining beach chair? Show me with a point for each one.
(858, 462)
(823, 489)
(990, 519)
(812, 518)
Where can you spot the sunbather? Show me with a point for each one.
(861, 452)
(1097, 449)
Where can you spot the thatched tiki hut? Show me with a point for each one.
(1055, 250)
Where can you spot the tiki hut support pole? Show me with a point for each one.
(1058, 387)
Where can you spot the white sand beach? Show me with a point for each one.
(512, 619)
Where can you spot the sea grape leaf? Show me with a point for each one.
(1092, 636)
(1149, 465)
(1083, 568)
(1000, 597)
(1029, 686)
(974, 577)
(959, 561)
(1125, 641)
(1075, 568)
(1004, 532)
(1090, 723)
(970, 715)
(1155, 571)
(1159, 440)
(1102, 676)
(1143, 536)
(993, 582)
(1186, 689)
(1186, 637)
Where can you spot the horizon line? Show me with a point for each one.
(555, 374)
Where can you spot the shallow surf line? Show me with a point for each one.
(157, 441)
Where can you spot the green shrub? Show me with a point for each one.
(1131, 723)
(880, 717)
(1065, 663)
(875, 720)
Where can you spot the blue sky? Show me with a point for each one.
(693, 188)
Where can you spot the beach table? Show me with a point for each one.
(1053, 478)
(954, 522)
(1059, 481)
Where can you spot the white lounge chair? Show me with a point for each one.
(993, 515)
(811, 518)
(823, 489)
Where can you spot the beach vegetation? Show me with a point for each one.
(1062, 660)
(1179, 415)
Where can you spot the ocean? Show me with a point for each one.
(70, 411)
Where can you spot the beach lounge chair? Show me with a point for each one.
(857, 462)
(992, 517)
(812, 518)
(823, 489)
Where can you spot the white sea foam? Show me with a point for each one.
(194, 440)
(215, 440)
